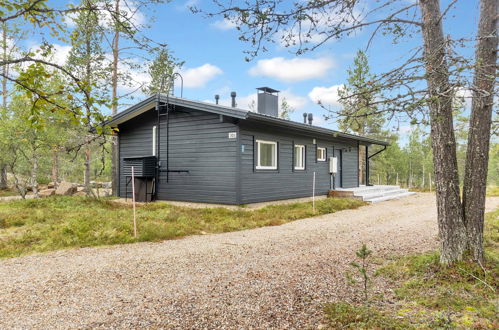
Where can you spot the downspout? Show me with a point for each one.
(367, 162)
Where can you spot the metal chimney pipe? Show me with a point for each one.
(217, 98)
(310, 118)
(233, 96)
(304, 117)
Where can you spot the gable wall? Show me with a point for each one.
(198, 143)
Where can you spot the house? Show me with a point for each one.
(186, 150)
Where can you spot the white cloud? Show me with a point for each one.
(129, 12)
(199, 76)
(59, 55)
(326, 95)
(292, 70)
(224, 25)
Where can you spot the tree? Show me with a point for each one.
(308, 25)
(477, 155)
(163, 65)
(87, 61)
(286, 109)
(359, 113)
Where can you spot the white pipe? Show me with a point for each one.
(313, 194)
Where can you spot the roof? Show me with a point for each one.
(150, 103)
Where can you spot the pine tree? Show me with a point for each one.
(162, 66)
(359, 113)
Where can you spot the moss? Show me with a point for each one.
(429, 295)
(350, 316)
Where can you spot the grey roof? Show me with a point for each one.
(150, 103)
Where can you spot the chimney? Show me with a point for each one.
(310, 118)
(233, 96)
(268, 101)
(304, 117)
(217, 98)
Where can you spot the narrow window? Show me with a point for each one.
(154, 140)
(266, 155)
(299, 157)
(321, 154)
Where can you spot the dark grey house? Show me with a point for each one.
(187, 150)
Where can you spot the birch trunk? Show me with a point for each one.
(450, 218)
(477, 153)
(114, 109)
(34, 173)
(55, 166)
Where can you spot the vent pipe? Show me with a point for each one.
(217, 98)
(304, 117)
(233, 96)
(310, 118)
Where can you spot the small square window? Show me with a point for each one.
(266, 155)
(321, 154)
(299, 154)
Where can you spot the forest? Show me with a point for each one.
(52, 113)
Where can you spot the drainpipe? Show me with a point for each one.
(367, 162)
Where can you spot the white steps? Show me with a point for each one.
(374, 194)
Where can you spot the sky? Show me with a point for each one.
(215, 60)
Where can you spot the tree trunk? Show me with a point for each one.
(3, 177)
(477, 154)
(55, 166)
(86, 182)
(114, 110)
(450, 220)
(34, 174)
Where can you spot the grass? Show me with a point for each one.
(59, 222)
(428, 295)
(492, 191)
(8, 192)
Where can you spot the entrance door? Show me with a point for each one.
(338, 153)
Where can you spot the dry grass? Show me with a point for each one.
(39, 225)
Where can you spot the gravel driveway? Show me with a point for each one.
(275, 277)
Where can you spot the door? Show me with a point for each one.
(338, 179)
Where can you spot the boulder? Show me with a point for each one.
(46, 193)
(80, 193)
(65, 188)
(78, 189)
(51, 185)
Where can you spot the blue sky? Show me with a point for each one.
(215, 62)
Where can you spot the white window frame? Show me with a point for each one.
(260, 167)
(323, 154)
(302, 154)
(154, 142)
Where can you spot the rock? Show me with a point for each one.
(107, 185)
(65, 188)
(46, 193)
(80, 193)
(42, 187)
(51, 185)
(78, 189)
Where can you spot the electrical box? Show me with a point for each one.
(333, 165)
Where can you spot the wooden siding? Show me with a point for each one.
(199, 143)
(285, 182)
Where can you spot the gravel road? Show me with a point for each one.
(273, 277)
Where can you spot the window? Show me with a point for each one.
(154, 140)
(266, 155)
(299, 154)
(321, 154)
